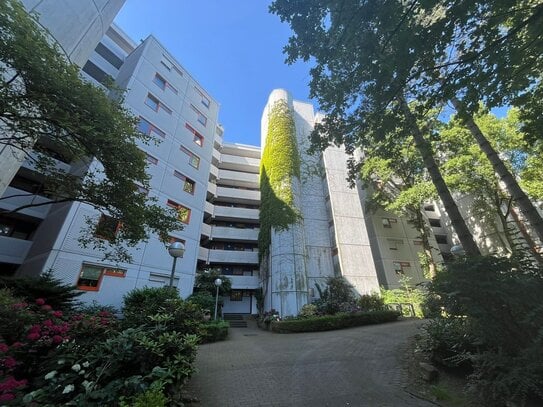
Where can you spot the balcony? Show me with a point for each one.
(212, 188)
(206, 229)
(13, 250)
(238, 179)
(216, 156)
(243, 196)
(232, 214)
(214, 171)
(244, 282)
(233, 256)
(237, 163)
(209, 208)
(234, 234)
(203, 254)
(12, 203)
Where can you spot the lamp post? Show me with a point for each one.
(458, 251)
(218, 283)
(176, 249)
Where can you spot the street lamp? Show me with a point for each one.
(218, 283)
(176, 249)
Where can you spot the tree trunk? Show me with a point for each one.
(511, 185)
(423, 230)
(464, 235)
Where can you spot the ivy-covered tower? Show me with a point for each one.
(294, 241)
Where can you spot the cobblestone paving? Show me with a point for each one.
(350, 367)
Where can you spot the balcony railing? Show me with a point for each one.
(233, 256)
(238, 195)
(13, 250)
(244, 282)
(230, 213)
(234, 234)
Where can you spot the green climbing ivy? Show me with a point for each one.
(280, 163)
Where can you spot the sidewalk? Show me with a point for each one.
(350, 367)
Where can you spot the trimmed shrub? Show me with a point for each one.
(214, 331)
(331, 322)
(371, 302)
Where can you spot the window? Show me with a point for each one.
(107, 227)
(140, 189)
(189, 184)
(400, 267)
(169, 65)
(146, 127)
(150, 159)
(114, 272)
(417, 242)
(194, 160)
(395, 244)
(205, 100)
(387, 222)
(89, 278)
(441, 239)
(200, 117)
(429, 208)
(236, 295)
(435, 223)
(198, 138)
(183, 212)
(163, 83)
(156, 104)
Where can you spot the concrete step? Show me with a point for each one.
(233, 317)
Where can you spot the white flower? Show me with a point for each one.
(50, 375)
(85, 364)
(69, 388)
(76, 367)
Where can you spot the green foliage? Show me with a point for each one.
(203, 300)
(331, 322)
(143, 305)
(338, 296)
(371, 302)
(58, 295)
(213, 331)
(152, 397)
(205, 283)
(406, 295)
(279, 165)
(480, 297)
(81, 122)
(308, 311)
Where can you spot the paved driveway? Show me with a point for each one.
(350, 367)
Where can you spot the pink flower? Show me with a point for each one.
(9, 362)
(16, 345)
(34, 336)
(48, 323)
(40, 301)
(46, 307)
(7, 397)
(3, 348)
(57, 314)
(104, 314)
(57, 339)
(20, 305)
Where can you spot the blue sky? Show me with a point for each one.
(232, 47)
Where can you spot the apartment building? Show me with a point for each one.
(335, 234)
(231, 224)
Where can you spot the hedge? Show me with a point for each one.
(331, 322)
(214, 331)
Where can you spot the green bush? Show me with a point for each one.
(337, 296)
(214, 331)
(492, 319)
(308, 311)
(371, 302)
(142, 304)
(331, 322)
(204, 300)
(406, 295)
(58, 295)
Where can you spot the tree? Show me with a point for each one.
(45, 106)
(205, 282)
(394, 174)
(363, 54)
(468, 171)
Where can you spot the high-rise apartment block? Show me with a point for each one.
(215, 186)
